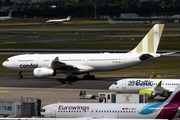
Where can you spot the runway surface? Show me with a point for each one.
(51, 90)
(56, 82)
(36, 37)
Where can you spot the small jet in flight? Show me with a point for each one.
(6, 17)
(151, 87)
(47, 65)
(168, 109)
(57, 21)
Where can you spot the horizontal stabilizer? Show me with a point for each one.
(144, 57)
(169, 53)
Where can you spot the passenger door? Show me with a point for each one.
(53, 111)
(124, 84)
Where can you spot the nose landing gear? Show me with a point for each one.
(20, 76)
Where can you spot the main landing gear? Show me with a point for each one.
(71, 77)
(20, 76)
(88, 77)
(85, 77)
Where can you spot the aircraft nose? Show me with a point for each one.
(5, 64)
(111, 87)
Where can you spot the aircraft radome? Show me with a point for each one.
(151, 87)
(47, 65)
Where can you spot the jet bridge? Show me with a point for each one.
(27, 107)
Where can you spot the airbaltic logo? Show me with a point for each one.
(84, 108)
(140, 83)
(28, 66)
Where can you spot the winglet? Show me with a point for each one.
(150, 42)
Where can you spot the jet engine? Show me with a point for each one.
(150, 93)
(44, 72)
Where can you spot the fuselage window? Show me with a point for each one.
(123, 111)
(115, 83)
(43, 110)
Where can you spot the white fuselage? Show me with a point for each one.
(4, 18)
(104, 110)
(84, 62)
(134, 85)
(58, 20)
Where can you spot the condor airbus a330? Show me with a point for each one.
(47, 65)
(169, 109)
(151, 87)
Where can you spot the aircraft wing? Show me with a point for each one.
(58, 65)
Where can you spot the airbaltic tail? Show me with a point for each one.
(166, 110)
(47, 65)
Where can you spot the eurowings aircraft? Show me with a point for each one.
(168, 109)
(47, 65)
(56, 21)
(6, 17)
(152, 87)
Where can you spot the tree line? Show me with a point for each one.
(86, 8)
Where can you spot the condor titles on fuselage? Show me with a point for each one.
(47, 65)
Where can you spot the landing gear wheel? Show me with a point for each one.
(20, 76)
(71, 78)
(89, 77)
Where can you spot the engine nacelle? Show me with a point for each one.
(150, 93)
(44, 72)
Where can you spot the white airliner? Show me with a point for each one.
(166, 110)
(47, 65)
(56, 21)
(6, 17)
(152, 87)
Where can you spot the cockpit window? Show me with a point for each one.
(42, 110)
(115, 83)
(7, 60)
